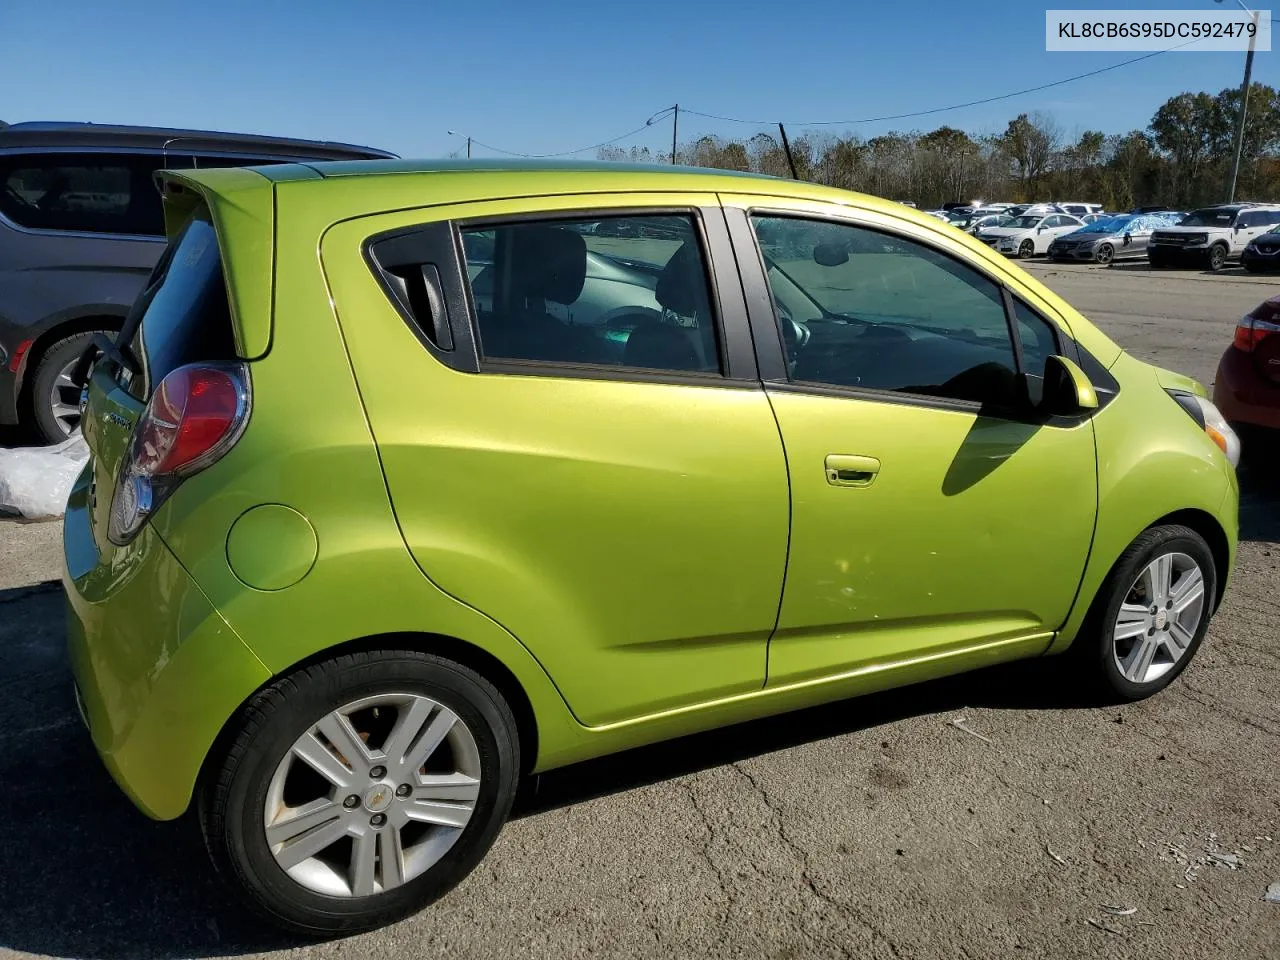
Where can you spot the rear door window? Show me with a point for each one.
(83, 193)
(619, 291)
(188, 319)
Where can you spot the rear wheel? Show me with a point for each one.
(1150, 615)
(54, 399)
(1217, 256)
(358, 790)
(1105, 254)
(1026, 250)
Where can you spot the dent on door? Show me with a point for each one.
(969, 529)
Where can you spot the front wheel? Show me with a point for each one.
(1150, 615)
(1026, 250)
(358, 790)
(1105, 254)
(1217, 257)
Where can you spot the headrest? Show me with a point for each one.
(548, 262)
(682, 285)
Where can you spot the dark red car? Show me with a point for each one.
(1247, 387)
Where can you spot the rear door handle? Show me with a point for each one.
(848, 470)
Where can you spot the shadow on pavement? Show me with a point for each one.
(1260, 497)
(86, 875)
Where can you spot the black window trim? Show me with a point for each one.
(439, 245)
(771, 352)
(731, 323)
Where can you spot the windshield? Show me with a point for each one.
(1107, 225)
(1022, 223)
(1208, 218)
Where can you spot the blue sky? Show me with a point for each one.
(556, 75)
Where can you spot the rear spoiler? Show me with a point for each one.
(241, 205)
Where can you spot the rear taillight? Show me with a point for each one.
(193, 418)
(1251, 331)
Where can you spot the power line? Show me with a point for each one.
(954, 106)
(566, 153)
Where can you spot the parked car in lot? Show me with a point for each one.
(80, 229)
(1038, 209)
(988, 220)
(1247, 385)
(342, 594)
(1107, 239)
(1077, 209)
(1029, 234)
(1262, 255)
(1211, 236)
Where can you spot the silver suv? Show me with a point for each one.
(80, 229)
(1211, 236)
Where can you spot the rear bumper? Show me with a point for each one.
(157, 670)
(1242, 394)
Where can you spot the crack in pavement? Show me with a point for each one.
(806, 875)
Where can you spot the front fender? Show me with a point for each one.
(1153, 461)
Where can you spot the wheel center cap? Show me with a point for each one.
(1162, 619)
(378, 797)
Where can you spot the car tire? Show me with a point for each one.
(1026, 250)
(245, 792)
(52, 425)
(1217, 257)
(1115, 636)
(1157, 263)
(1105, 254)
(1251, 267)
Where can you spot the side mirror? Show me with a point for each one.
(1067, 390)
(830, 254)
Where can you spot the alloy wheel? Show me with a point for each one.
(1026, 249)
(372, 795)
(1159, 618)
(1106, 253)
(64, 400)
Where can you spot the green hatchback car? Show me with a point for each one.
(411, 480)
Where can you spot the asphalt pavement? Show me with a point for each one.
(991, 815)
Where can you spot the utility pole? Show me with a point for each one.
(786, 148)
(675, 127)
(1240, 117)
(468, 148)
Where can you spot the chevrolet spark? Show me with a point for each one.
(409, 481)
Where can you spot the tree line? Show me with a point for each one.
(1182, 159)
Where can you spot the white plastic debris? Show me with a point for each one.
(1273, 893)
(35, 481)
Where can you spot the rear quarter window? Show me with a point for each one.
(83, 193)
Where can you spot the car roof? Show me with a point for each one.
(49, 134)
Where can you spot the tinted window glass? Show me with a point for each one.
(862, 309)
(188, 319)
(1209, 218)
(617, 291)
(1039, 341)
(84, 193)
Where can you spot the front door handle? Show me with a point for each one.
(847, 470)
